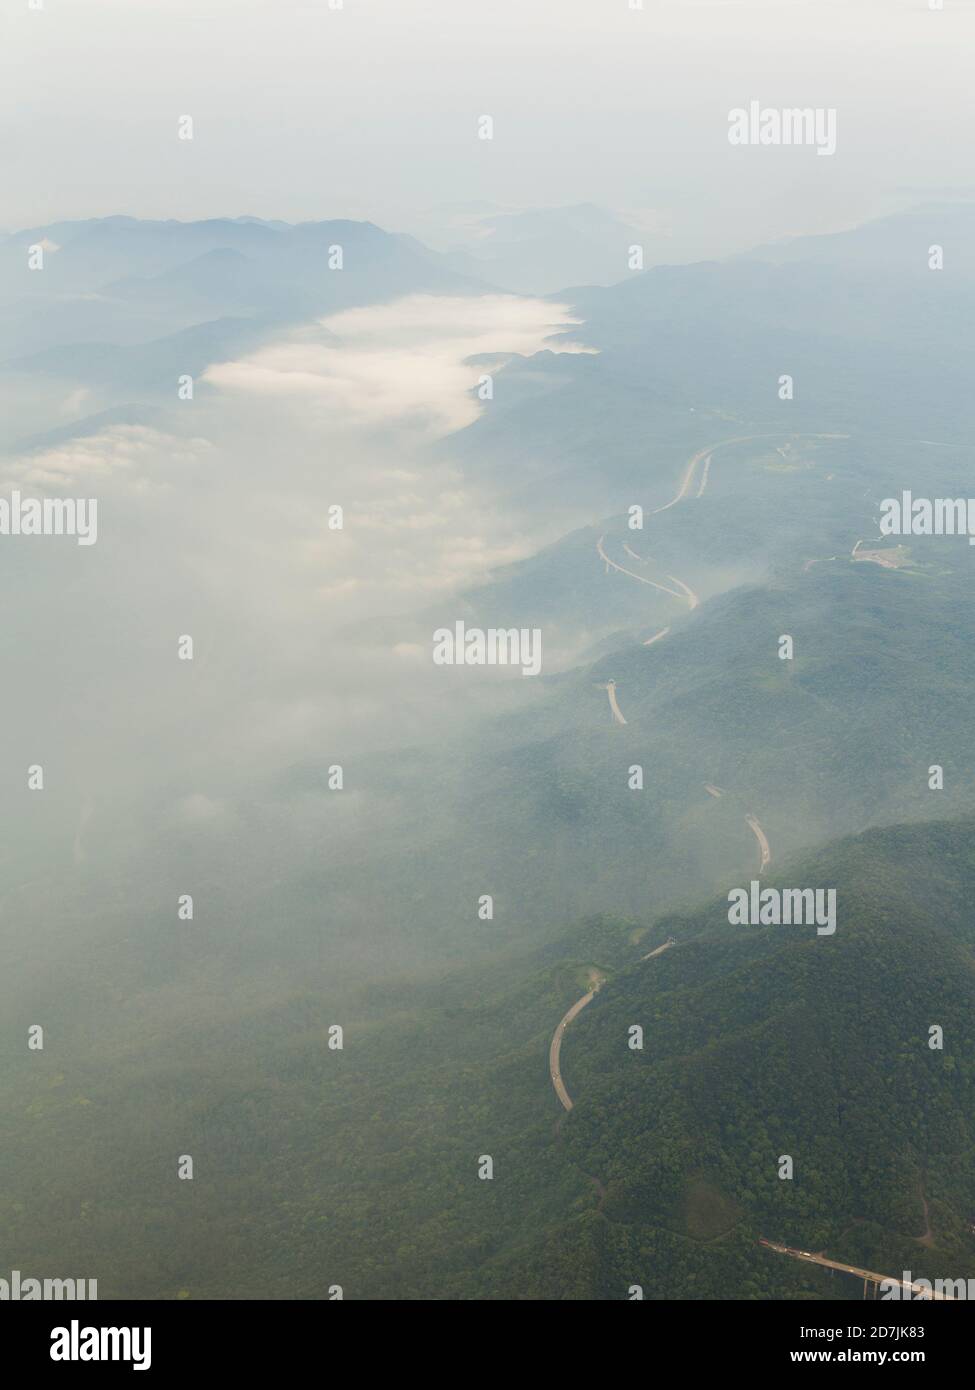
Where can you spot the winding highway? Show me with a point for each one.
(692, 597)
(704, 456)
(555, 1049)
(641, 577)
(682, 590)
(704, 476)
(763, 845)
(685, 481)
(613, 703)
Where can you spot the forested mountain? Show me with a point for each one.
(360, 1167)
(338, 806)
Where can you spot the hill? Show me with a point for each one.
(360, 1166)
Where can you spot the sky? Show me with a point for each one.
(370, 110)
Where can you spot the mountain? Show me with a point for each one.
(892, 243)
(663, 653)
(764, 1042)
(119, 280)
(360, 1167)
(539, 250)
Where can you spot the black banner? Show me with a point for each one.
(163, 1339)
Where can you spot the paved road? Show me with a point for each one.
(556, 1048)
(704, 476)
(687, 593)
(685, 481)
(614, 704)
(692, 597)
(759, 834)
(659, 950)
(641, 577)
(867, 1274)
(704, 456)
(617, 712)
(656, 637)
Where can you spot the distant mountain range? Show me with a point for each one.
(359, 1167)
(541, 250)
(123, 281)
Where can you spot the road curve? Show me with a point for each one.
(555, 1049)
(683, 592)
(692, 597)
(759, 834)
(704, 455)
(704, 476)
(685, 481)
(642, 578)
(614, 706)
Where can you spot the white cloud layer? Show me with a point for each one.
(403, 363)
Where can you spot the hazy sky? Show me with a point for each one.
(370, 110)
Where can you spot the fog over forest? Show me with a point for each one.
(488, 420)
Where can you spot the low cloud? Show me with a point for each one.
(311, 644)
(404, 363)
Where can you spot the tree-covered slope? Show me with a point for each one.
(360, 1167)
(762, 1042)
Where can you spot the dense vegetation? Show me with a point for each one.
(359, 1167)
